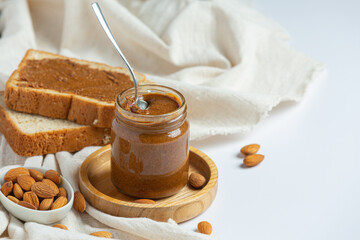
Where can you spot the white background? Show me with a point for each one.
(308, 186)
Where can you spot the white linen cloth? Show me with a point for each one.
(232, 64)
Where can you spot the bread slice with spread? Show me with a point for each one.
(67, 88)
(32, 135)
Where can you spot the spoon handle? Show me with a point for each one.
(106, 28)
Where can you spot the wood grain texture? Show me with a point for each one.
(99, 191)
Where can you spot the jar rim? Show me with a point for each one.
(150, 88)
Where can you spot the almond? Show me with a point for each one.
(197, 180)
(18, 192)
(103, 234)
(46, 203)
(7, 188)
(60, 226)
(204, 227)
(79, 202)
(59, 202)
(53, 176)
(52, 185)
(62, 192)
(144, 201)
(14, 199)
(250, 149)
(25, 182)
(12, 174)
(43, 190)
(253, 160)
(38, 176)
(27, 205)
(31, 197)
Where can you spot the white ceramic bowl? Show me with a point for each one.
(30, 215)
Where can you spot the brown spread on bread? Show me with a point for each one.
(66, 76)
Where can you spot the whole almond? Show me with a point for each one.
(7, 188)
(52, 185)
(18, 192)
(12, 198)
(38, 176)
(205, 227)
(25, 182)
(31, 197)
(27, 205)
(79, 202)
(12, 174)
(62, 192)
(59, 202)
(144, 201)
(46, 203)
(250, 149)
(197, 180)
(253, 160)
(60, 226)
(103, 234)
(53, 176)
(43, 190)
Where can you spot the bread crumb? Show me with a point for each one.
(95, 121)
(106, 139)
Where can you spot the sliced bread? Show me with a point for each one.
(66, 88)
(32, 135)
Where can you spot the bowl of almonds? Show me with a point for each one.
(35, 194)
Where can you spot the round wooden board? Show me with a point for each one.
(99, 191)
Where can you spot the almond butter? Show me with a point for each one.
(25, 182)
(103, 234)
(38, 176)
(53, 176)
(46, 203)
(43, 190)
(59, 202)
(12, 198)
(253, 160)
(205, 227)
(27, 205)
(197, 180)
(7, 188)
(52, 185)
(12, 174)
(31, 197)
(79, 202)
(18, 192)
(250, 149)
(60, 226)
(62, 192)
(144, 201)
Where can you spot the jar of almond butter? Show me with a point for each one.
(149, 148)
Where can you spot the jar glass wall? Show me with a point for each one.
(149, 153)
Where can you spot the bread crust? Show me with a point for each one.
(54, 104)
(40, 143)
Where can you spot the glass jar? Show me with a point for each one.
(149, 153)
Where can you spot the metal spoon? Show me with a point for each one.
(140, 103)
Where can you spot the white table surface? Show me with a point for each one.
(308, 186)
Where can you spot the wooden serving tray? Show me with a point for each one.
(99, 191)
